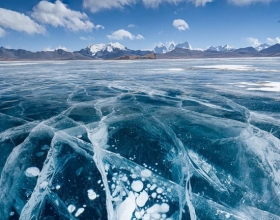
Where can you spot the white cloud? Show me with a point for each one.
(201, 2)
(87, 38)
(98, 5)
(57, 14)
(131, 25)
(2, 32)
(49, 48)
(156, 3)
(273, 40)
(253, 41)
(139, 37)
(99, 26)
(180, 24)
(19, 22)
(122, 34)
(248, 2)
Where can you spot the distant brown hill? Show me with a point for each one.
(11, 54)
(146, 57)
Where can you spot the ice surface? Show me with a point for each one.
(113, 140)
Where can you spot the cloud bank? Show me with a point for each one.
(19, 22)
(253, 41)
(248, 2)
(131, 26)
(57, 14)
(99, 27)
(123, 34)
(273, 40)
(2, 32)
(98, 5)
(87, 38)
(201, 2)
(180, 24)
(49, 48)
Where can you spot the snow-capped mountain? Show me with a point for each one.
(184, 45)
(262, 47)
(160, 48)
(110, 51)
(225, 48)
(110, 47)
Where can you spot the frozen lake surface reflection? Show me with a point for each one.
(126, 140)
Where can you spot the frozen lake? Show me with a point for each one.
(125, 140)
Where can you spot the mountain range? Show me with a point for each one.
(120, 52)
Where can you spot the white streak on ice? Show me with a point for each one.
(98, 138)
(228, 67)
(126, 208)
(146, 173)
(188, 193)
(79, 212)
(44, 185)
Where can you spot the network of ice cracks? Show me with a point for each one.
(126, 158)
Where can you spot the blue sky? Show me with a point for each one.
(138, 24)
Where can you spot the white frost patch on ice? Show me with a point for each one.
(155, 208)
(154, 195)
(227, 215)
(156, 216)
(159, 190)
(79, 212)
(32, 172)
(71, 208)
(164, 207)
(249, 84)
(138, 215)
(142, 199)
(91, 194)
(126, 208)
(267, 86)
(146, 173)
(147, 217)
(175, 69)
(124, 178)
(137, 185)
(227, 67)
(153, 186)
